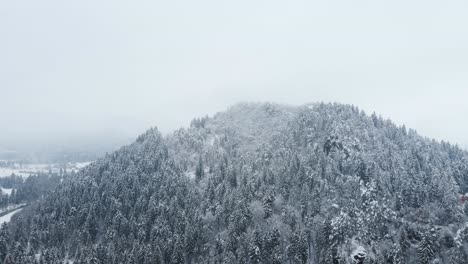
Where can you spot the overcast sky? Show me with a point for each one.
(79, 68)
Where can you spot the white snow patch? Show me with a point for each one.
(458, 237)
(6, 191)
(358, 254)
(5, 172)
(11, 207)
(25, 170)
(359, 251)
(7, 218)
(212, 141)
(190, 174)
(80, 165)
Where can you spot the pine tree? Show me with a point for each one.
(255, 248)
(426, 247)
(457, 256)
(200, 170)
(4, 241)
(404, 241)
(178, 252)
(233, 178)
(396, 255)
(268, 206)
(297, 248)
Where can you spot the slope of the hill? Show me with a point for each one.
(258, 183)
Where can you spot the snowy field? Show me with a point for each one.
(28, 169)
(11, 207)
(6, 218)
(5, 172)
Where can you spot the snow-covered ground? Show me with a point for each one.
(80, 165)
(27, 169)
(6, 191)
(5, 172)
(11, 207)
(6, 218)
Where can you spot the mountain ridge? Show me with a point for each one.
(259, 183)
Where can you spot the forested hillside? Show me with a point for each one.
(258, 183)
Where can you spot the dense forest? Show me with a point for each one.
(258, 183)
(30, 189)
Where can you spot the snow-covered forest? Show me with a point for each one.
(258, 183)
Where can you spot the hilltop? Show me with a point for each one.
(258, 183)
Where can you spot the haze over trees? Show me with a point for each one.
(258, 183)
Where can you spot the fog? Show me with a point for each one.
(108, 70)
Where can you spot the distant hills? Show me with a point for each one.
(60, 151)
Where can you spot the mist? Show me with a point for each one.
(312, 131)
(87, 71)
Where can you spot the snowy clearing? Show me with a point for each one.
(5, 172)
(80, 165)
(11, 207)
(6, 191)
(7, 218)
(26, 170)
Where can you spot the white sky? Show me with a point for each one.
(78, 68)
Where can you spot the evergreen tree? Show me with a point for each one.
(200, 170)
(427, 247)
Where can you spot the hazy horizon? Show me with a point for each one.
(110, 69)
